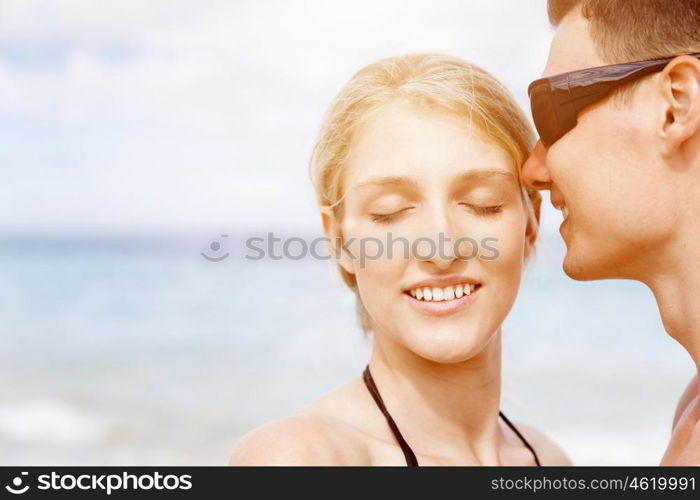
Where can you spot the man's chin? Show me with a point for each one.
(583, 268)
(574, 272)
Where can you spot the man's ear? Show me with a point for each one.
(681, 91)
(532, 229)
(334, 234)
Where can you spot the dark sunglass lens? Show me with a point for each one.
(544, 114)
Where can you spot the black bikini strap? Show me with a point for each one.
(522, 438)
(411, 460)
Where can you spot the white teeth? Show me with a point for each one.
(565, 212)
(436, 294)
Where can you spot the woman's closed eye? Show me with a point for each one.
(385, 218)
(483, 209)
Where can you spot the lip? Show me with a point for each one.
(563, 225)
(558, 203)
(556, 198)
(442, 282)
(443, 307)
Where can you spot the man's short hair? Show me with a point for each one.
(632, 30)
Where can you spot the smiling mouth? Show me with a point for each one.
(443, 294)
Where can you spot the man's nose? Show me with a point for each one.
(534, 173)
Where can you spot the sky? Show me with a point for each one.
(173, 115)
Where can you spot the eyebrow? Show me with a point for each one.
(472, 175)
(485, 174)
(397, 181)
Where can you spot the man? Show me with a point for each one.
(619, 151)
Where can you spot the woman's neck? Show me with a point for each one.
(446, 409)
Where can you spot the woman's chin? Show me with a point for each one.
(448, 346)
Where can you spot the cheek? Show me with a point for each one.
(501, 239)
(507, 241)
(602, 159)
(503, 274)
(373, 264)
(608, 184)
(378, 282)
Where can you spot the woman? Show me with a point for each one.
(422, 151)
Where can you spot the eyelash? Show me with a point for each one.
(479, 210)
(386, 218)
(488, 210)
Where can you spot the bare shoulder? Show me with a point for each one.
(321, 434)
(547, 450)
(296, 440)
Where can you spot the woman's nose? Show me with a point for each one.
(534, 172)
(440, 248)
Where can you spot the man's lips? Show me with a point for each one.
(559, 204)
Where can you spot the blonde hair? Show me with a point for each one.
(433, 80)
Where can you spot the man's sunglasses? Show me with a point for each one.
(557, 100)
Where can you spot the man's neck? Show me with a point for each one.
(677, 293)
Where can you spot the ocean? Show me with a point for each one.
(135, 350)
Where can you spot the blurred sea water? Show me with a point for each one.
(129, 350)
